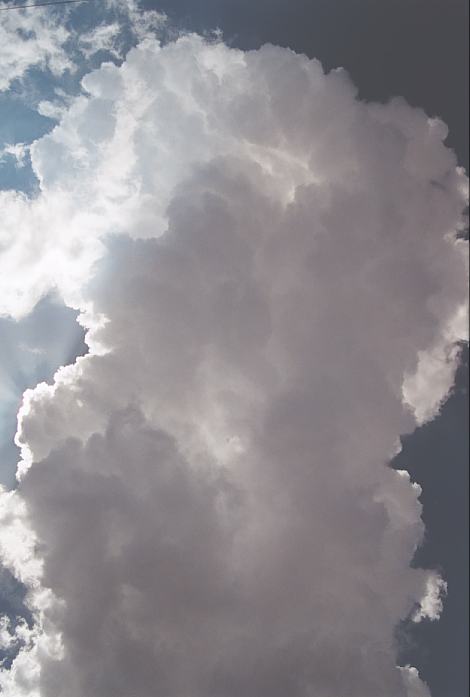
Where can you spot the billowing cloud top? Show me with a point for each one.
(269, 273)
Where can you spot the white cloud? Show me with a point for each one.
(129, 17)
(425, 389)
(101, 38)
(263, 264)
(431, 605)
(31, 38)
(18, 151)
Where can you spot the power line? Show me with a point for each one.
(41, 4)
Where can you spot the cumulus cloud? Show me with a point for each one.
(269, 273)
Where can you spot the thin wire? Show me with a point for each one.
(41, 4)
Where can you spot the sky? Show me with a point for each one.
(237, 232)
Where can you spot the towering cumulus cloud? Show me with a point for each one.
(274, 290)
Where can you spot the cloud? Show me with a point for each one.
(31, 351)
(31, 38)
(101, 38)
(414, 685)
(18, 152)
(129, 18)
(59, 40)
(264, 264)
(431, 605)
